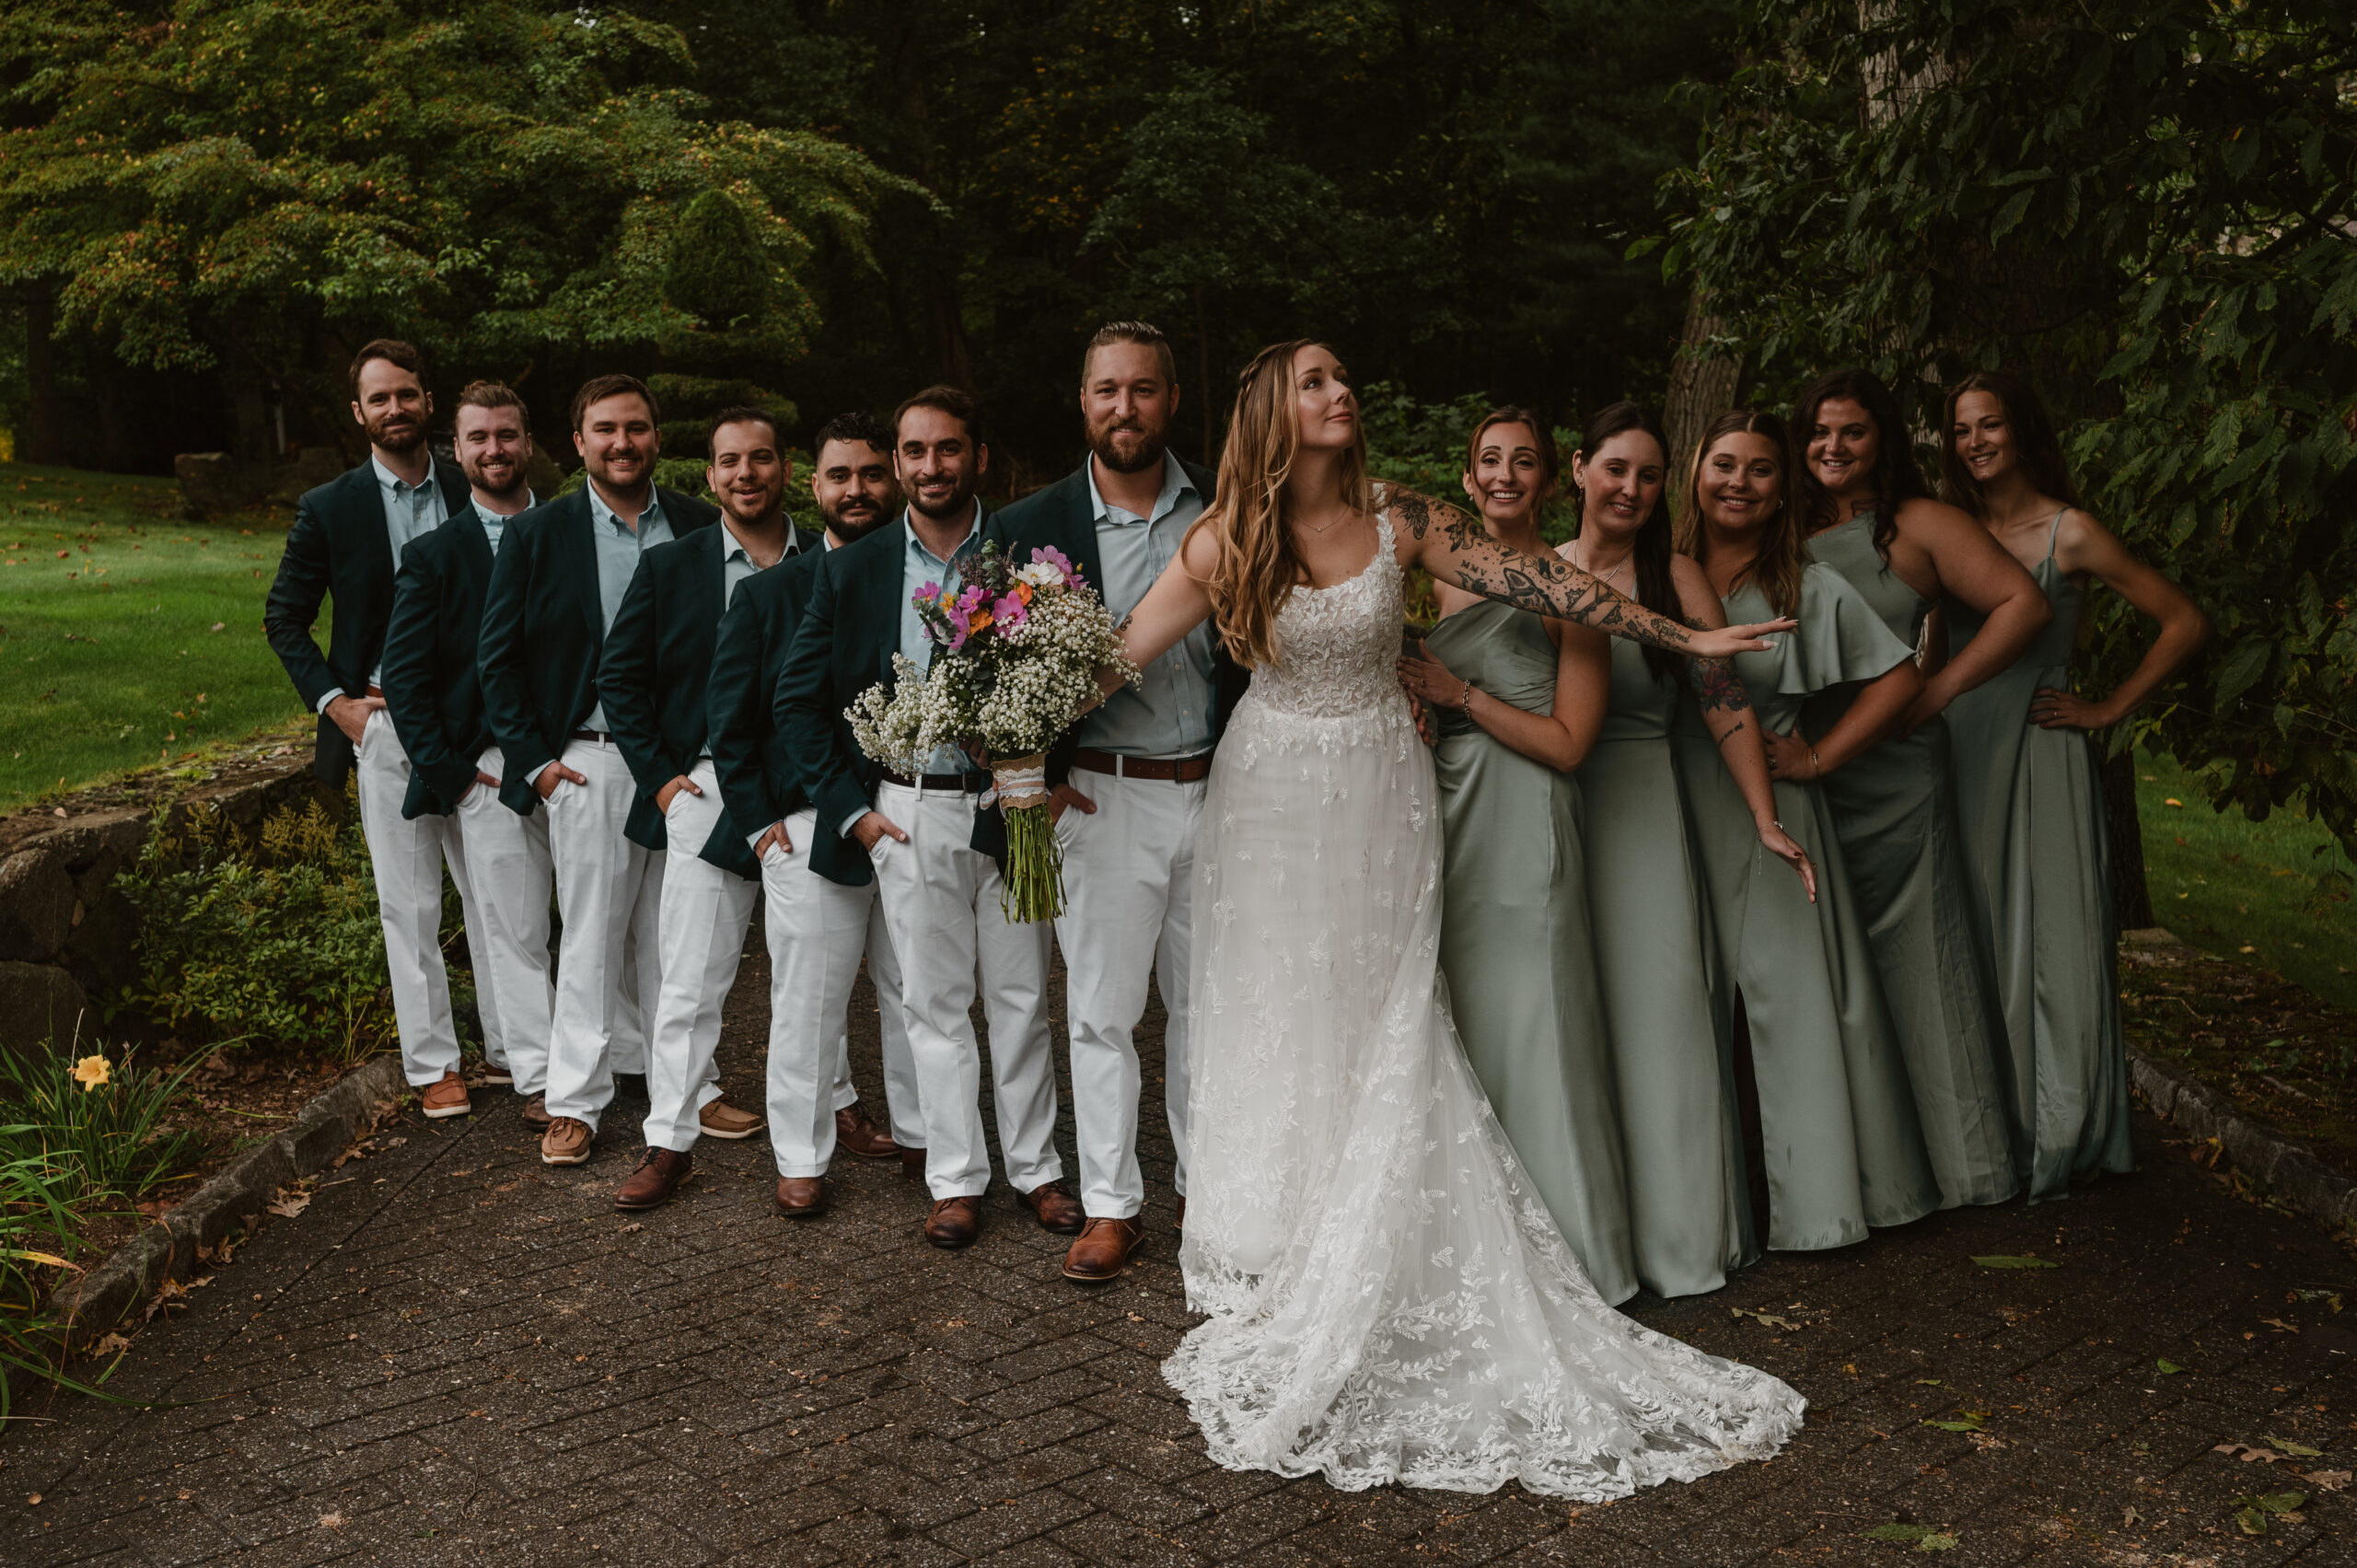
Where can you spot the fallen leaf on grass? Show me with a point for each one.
(2296, 1450)
(1766, 1319)
(2327, 1480)
(2167, 1367)
(1966, 1421)
(2008, 1261)
(1922, 1537)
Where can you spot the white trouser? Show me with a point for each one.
(1129, 870)
(816, 930)
(507, 864)
(407, 856)
(701, 938)
(941, 901)
(608, 891)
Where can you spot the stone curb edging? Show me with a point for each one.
(240, 1195)
(2291, 1172)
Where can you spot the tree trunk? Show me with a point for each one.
(2132, 900)
(45, 441)
(1204, 384)
(1701, 386)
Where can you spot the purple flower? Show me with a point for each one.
(928, 593)
(1049, 554)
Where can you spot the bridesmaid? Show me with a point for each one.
(1519, 698)
(1844, 1149)
(1871, 519)
(2027, 787)
(1689, 1198)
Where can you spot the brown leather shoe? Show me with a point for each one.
(566, 1142)
(913, 1164)
(954, 1222)
(1180, 1222)
(722, 1120)
(448, 1097)
(1103, 1249)
(493, 1075)
(535, 1111)
(658, 1175)
(801, 1197)
(1058, 1210)
(856, 1134)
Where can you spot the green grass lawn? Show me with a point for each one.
(128, 637)
(2246, 889)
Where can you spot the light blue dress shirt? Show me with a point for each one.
(736, 563)
(410, 510)
(496, 523)
(1170, 713)
(617, 549)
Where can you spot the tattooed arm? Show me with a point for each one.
(1734, 723)
(1451, 546)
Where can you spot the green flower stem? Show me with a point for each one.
(1033, 886)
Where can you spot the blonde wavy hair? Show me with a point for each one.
(1258, 566)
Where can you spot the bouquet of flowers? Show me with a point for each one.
(1018, 652)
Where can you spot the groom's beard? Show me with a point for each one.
(1127, 446)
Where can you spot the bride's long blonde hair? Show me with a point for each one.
(1258, 565)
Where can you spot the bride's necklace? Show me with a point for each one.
(1319, 528)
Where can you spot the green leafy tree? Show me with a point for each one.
(252, 186)
(2145, 205)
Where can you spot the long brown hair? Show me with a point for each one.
(1656, 588)
(1895, 477)
(1258, 564)
(1550, 462)
(1783, 544)
(2040, 450)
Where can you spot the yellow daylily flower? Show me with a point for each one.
(91, 1072)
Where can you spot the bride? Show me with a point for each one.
(1388, 1299)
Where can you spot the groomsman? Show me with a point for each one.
(652, 675)
(434, 701)
(1129, 778)
(925, 833)
(346, 544)
(558, 583)
(817, 927)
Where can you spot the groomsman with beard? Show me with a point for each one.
(927, 835)
(434, 701)
(652, 675)
(1129, 778)
(555, 588)
(819, 892)
(346, 544)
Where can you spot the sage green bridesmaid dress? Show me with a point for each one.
(1894, 809)
(1687, 1197)
(2035, 839)
(1842, 1143)
(1516, 947)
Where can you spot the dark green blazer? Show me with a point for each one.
(544, 631)
(758, 783)
(845, 644)
(652, 675)
(431, 692)
(1060, 517)
(339, 548)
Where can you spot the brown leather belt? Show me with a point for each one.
(376, 692)
(595, 736)
(1175, 770)
(968, 783)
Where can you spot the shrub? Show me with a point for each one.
(275, 938)
(95, 1126)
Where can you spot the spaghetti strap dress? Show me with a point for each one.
(2038, 849)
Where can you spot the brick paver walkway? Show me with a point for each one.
(459, 1355)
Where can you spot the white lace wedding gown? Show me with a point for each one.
(1388, 1298)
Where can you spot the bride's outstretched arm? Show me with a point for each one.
(1451, 545)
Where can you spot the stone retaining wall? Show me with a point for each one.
(65, 933)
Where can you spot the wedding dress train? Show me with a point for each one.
(1388, 1298)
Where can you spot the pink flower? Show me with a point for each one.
(1010, 612)
(928, 593)
(1050, 555)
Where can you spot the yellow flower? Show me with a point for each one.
(90, 1071)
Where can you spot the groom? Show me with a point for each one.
(1129, 778)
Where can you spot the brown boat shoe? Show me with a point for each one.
(1103, 1250)
(535, 1112)
(446, 1097)
(566, 1142)
(722, 1120)
(801, 1197)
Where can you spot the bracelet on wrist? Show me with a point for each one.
(1465, 704)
